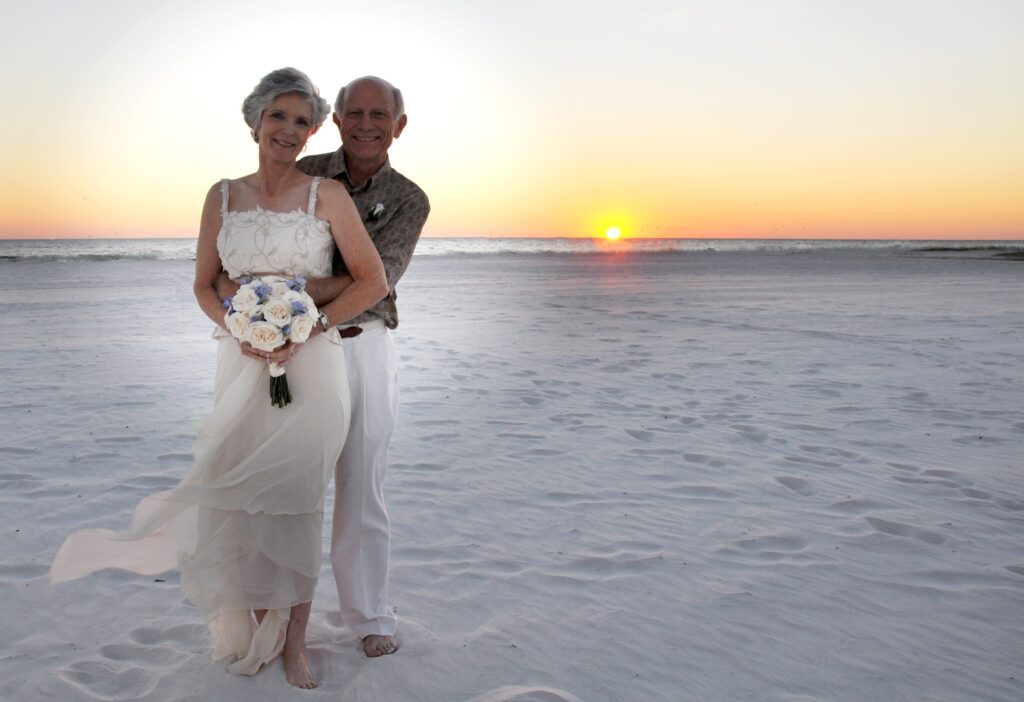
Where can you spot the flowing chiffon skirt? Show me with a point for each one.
(244, 525)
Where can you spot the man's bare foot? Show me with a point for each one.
(297, 670)
(376, 645)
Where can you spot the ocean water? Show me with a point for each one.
(184, 249)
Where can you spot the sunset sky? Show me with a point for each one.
(749, 118)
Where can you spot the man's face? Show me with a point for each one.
(367, 122)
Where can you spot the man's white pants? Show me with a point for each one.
(360, 537)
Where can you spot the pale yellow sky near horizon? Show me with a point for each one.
(785, 119)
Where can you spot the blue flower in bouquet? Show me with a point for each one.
(267, 312)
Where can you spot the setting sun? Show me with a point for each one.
(612, 233)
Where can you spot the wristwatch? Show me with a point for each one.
(325, 323)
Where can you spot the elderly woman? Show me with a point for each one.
(244, 525)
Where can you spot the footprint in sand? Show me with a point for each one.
(976, 494)
(175, 457)
(133, 666)
(119, 440)
(440, 437)
(100, 680)
(420, 467)
(540, 452)
(17, 451)
(21, 572)
(948, 474)
(518, 693)
(94, 457)
(704, 459)
(751, 433)
(768, 549)
(906, 530)
(798, 485)
(434, 422)
(855, 505)
(639, 451)
(702, 492)
(17, 477)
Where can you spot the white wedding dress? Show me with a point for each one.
(244, 525)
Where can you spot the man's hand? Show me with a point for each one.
(225, 286)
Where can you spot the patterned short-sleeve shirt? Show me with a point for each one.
(393, 209)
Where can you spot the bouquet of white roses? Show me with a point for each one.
(267, 312)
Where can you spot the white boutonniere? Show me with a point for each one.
(376, 212)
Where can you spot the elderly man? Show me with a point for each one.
(370, 113)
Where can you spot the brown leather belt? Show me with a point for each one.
(349, 332)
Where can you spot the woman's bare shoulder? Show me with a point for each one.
(331, 187)
(333, 193)
(233, 183)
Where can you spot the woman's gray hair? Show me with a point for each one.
(283, 81)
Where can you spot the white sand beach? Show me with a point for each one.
(764, 477)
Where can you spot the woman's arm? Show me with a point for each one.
(369, 284)
(395, 242)
(208, 259)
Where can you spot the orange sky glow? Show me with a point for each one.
(764, 120)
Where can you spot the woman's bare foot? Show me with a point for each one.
(296, 664)
(376, 645)
(297, 670)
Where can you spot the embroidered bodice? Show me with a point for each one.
(263, 241)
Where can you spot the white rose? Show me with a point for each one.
(302, 327)
(264, 336)
(278, 312)
(245, 300)
(237, 324)
(279, 289)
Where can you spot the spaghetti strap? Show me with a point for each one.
(311, 207)
(224, 198)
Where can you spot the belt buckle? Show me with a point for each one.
(350, 332)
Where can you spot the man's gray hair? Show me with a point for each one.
(395, 93)
(283, 81)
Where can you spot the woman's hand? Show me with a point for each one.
(282, 354)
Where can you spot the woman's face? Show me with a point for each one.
(285, 126)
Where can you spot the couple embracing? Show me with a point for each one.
(244, 526)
